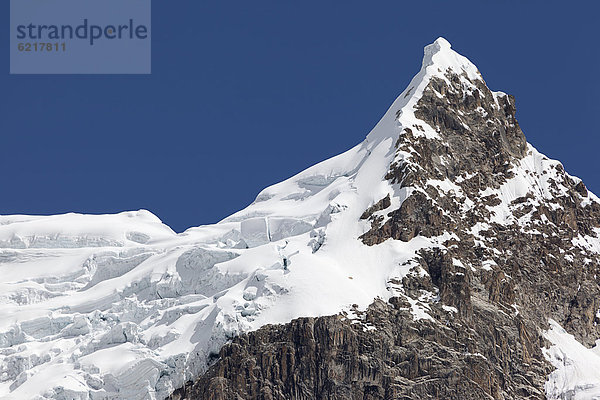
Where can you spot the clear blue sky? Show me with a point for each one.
(244, 94)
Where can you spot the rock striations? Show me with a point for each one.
(518, 253)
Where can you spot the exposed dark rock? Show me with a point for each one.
(383, 355)
(380, 205)
(418, 216)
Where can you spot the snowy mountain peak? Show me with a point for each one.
(438, 60)
(430, 210)
(441, 57)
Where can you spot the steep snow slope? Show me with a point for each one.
(119, 306)
(577, 374)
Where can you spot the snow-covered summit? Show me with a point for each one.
(79, 230)
(120, 307)
(439, 58)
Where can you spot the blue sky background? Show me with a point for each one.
(246, 94)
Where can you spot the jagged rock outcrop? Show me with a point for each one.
(504, 267)
(383, 354)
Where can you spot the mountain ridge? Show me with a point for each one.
(426, 214)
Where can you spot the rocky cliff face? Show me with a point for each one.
(384, 354)
(516, 249)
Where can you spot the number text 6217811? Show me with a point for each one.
(39, 47)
